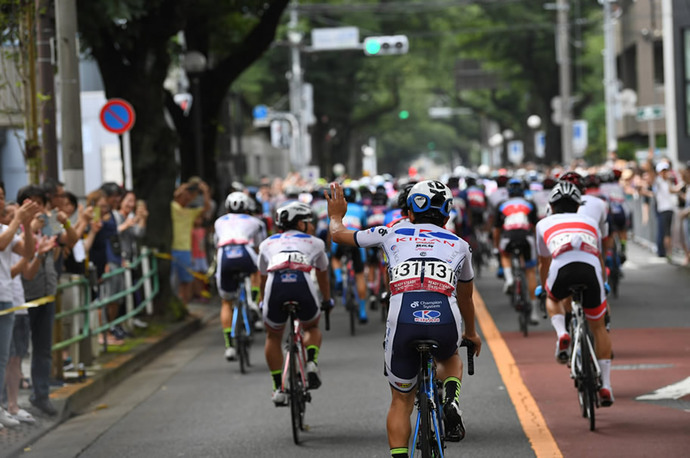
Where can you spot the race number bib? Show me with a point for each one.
(289, 260)
(516, 221)
(233, 252)
(573, 241)
(436, 276)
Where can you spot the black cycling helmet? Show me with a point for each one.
(380, 198)
(549, 183)
(350, 195)
(574, 178)
(516, 187)
(502, 181)
(289, 215)
(402, 197)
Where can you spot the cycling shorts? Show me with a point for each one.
(413, 316)
(559, 282)
(289, 285)
(358, 255)
(234, 262)
(617, 221)
(524, 241)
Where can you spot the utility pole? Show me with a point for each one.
(610, 78)
(297, 105)
(70, 103)
(564, 77)
(45, 33)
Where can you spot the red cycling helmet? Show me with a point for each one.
(574, 178)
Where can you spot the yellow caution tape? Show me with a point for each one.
(197, 275)
(28, 305)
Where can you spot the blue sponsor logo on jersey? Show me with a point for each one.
(427, 316)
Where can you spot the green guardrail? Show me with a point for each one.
(148, 283)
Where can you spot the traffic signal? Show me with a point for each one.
(387, 45)
(404, 114)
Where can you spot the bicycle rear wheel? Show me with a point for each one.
(352, 309)
(589, 387)
(425, 441)
(241, 342)
(296, 404)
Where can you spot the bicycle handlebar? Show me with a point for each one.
(326, 306)
(470, 355)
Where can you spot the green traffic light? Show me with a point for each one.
(373, 46)
(404, 114)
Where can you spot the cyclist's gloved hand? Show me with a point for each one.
(607, 287)
(539, 291)
(329, 304)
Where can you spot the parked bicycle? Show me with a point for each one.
(429, 434)
(584, 368)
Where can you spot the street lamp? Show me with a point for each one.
(194, 64)
(534, 123)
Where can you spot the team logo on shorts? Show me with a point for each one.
(290, 277)
(427, 316)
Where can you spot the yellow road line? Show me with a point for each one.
(531, 419)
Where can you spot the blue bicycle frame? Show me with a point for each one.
(241, 305)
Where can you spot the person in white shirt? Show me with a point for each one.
(665, 200)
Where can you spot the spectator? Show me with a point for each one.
(105, 254)
(199, 259)
(39, 280)
(684, 214)
(131, 220)
(183, 216)
(11, 243)
(663, 190)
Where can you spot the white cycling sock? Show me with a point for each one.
(508, 275)
(605, 366)
(558, 323)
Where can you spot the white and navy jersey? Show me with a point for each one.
(238, 229)
(597, 209)
(569, 237)
(292, 250)
(422, 257)
(496, 197)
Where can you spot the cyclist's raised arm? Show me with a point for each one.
(463, 292)
(337, 207)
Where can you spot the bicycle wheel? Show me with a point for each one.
(295, 395)
(352, 309)
(589, 382)
(425, 423)
(241, 341)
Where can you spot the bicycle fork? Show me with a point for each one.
(245, 318)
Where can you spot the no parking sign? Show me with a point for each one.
(117, 116)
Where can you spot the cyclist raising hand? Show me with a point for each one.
(431, 284)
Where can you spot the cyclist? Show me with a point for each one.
(285, 260)
(237, 235)
(494, 198)
(376, 217)
(568, 245)
(619, 212)
(355, 219)
(514, 226)
(431, 286)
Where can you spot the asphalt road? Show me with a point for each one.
(190, 402)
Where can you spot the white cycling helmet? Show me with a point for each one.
(288, 215)
(430, 194)
(237, 202)
(565, 190)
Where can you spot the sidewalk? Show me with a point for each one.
(109, 370)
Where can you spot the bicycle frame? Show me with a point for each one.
(241, 307)
(427, 392)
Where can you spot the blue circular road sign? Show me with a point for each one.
(117, 116)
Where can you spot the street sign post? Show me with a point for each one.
(650, 113)
(516, 151)
(579, 137)
(335, 38)
(117, 116)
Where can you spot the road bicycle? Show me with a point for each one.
(584, 368)
(613, 265)
(519, 296)
(429, 434)
(379, 294)
(349, 295)
(241, 324)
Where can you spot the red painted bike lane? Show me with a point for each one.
(645, 360)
